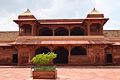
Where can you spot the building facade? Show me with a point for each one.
(75, 41)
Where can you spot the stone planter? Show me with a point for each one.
(44, 74)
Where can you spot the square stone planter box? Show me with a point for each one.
(44, 74)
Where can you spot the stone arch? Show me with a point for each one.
(62, 55)
(26, 28)
(77, 31)
(41, 50)
(78, 50)
(45, 32)
(61, 31)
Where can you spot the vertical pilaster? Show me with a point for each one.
(32, 30)
(69, 32)
(31, 53)
(19, 56)
(88, 26)
(53, 32)
(69, 49)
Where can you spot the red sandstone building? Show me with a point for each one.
(76, 41)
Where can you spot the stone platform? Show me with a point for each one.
(64, 73)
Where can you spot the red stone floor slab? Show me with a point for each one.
(64, 73)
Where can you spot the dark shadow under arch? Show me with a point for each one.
(41, 50)
(15, 56)
(62, 55)
(77, 31)
(45, 32)
(61, 32)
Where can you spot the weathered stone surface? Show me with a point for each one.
(64, 73)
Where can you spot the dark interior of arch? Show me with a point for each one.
(61, 32)
(27, 28)
(78, 50)
(62, 56)
(77, 31)
(15, 56)
(45, 32)
(42, 50)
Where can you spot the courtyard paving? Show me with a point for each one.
(64, 73)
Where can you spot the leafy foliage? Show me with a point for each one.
(43, 58)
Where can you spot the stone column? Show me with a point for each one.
(32, 30)
(69, 32)
(31, 53)
(53, 31)
(69, 51)
(69, 54)
(19, 56)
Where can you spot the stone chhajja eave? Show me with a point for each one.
(61, 40)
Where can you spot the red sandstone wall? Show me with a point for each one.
(116, 55)
(95, 55)
(5, 55)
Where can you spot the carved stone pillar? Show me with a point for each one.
(19, 56)
(68, 32)
(53, 31)
(33, 30)
(31, 53)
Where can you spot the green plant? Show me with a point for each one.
(42, 59)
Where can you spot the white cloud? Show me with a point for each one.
(6, 23)
(111, 10)
(58, 9)
(113, 25)
(66, 9)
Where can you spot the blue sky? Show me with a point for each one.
(49, 9)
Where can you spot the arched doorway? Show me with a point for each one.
(62, 55)
(41, 50)
(61, 32)
(15, 57)
(45, 32)
(77, 31)
(78, 50)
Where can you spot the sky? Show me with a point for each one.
(58, 9)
